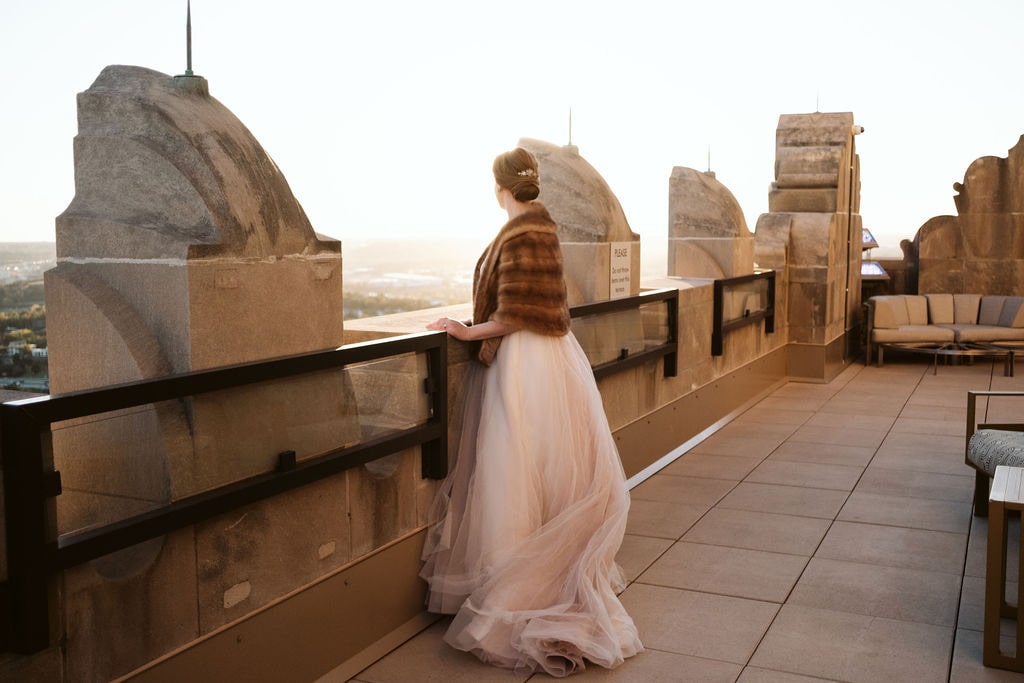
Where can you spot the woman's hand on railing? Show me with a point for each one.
(455, 328)
(464, 332)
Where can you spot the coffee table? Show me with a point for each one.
(951, 350)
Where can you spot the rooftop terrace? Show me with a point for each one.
(825, 532)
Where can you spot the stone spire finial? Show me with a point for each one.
(188, 38)
(189, 81)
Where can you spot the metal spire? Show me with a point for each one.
(188, 38)
(570, 125)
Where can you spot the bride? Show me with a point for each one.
(528, 522)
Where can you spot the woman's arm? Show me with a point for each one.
(464, 332)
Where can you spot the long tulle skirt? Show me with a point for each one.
(531, 516)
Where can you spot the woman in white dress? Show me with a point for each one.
(534, 509)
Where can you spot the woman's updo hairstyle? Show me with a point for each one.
(516, 171)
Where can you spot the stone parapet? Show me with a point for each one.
(707, 234)
(981, 249)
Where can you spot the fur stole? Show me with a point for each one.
(518, 280)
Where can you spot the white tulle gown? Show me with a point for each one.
(531, 516)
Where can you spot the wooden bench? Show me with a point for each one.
(1007, 497)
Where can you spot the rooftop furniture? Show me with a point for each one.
(989, 445)
(1007, 496)
(972, 321)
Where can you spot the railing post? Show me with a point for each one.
(671, 362)
(717, 313)
(25, 503)
(435, 453)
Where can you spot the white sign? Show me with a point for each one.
(620, 273)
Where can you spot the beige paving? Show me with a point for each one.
(824, 534)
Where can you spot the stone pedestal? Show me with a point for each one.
(813, 231)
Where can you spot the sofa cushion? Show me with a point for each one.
(917, 309)
(987, 333)
(1012, 314)
(965, 308)
(990, 309)
(890, 311)
(940, 309)
(913, 334)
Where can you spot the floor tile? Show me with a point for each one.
(934, 425)
(832, 454)
(813, 475)
(726, 571)
(916, 513)
(972, 604)
(743, 446)
(766, 415)
(891, 592)
(785, 500)
(688, 490)
(921, 460)
(740, 428)
(947, 413)
(846, 437)
(776, 402)
(977, 542)
(867, 405)
(894, 547)
(637, 553)
(656, 665)
(877, 423)
(759, 531)
(936, 442)
(853, 647)
(915, 484)
(752, 674)
(698, 624)
(704, 465)
(660, 519)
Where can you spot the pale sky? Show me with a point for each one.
(385, 115)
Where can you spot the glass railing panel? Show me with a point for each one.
(118, 464)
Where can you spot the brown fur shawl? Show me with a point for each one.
(518, 280)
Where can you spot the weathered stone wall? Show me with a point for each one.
(981, 249)
(707, 233)
(813, 229)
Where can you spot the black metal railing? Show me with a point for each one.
(29, 489)
(31, 485)
(760, 286)
(668, 350)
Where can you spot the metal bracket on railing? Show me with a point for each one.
(52, 486)
(285, 461)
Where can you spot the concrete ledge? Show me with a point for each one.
(363, 610)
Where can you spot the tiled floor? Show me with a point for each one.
(824, 534)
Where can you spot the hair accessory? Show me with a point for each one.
(526, 173)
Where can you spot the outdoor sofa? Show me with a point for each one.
(943, 319)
